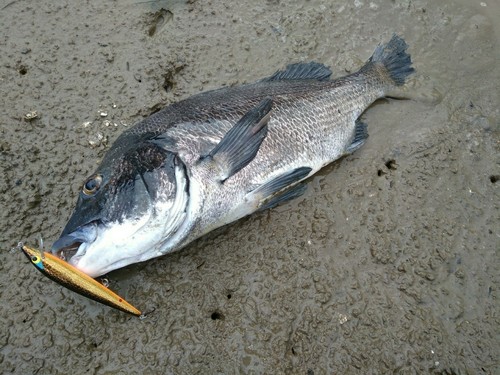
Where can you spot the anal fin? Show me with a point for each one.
(275, 191)
(360, 136)
(242, 142)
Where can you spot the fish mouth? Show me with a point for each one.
(72, 246)
(69, 252)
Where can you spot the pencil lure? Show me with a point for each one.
(72, 278)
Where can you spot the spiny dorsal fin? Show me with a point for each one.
(312, 70)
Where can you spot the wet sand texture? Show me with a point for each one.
(388, 264)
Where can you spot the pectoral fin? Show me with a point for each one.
(240, 144)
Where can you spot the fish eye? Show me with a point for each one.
(35, 259)
(92, 185)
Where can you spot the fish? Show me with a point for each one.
(206, 161)
(72, 278)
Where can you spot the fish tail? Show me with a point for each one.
(393, 57)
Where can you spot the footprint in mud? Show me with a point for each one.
(160, 19)
(422, 89)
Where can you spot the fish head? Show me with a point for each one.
(127, 211)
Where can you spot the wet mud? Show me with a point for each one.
(388, 264)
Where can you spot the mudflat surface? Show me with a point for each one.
(388, 264)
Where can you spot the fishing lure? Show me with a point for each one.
(72, 278)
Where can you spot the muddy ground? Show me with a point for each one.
(388, 264)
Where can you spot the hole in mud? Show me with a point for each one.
(216, 315)
(380, 172)
(22, 70)
(168, 83)
(494, 178)
(169, 78)
(229, 296)
(391, 164)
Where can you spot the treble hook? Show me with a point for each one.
(40, 246)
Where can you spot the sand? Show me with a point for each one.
(388, 264)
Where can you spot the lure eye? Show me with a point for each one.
(37, 261)
(92, 185)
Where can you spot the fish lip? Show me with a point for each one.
(72, 246)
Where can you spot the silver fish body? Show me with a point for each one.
(221, 155)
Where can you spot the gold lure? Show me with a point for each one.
(72, 278)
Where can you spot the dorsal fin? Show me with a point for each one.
(311, 70)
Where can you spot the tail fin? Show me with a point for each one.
(394, 58)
